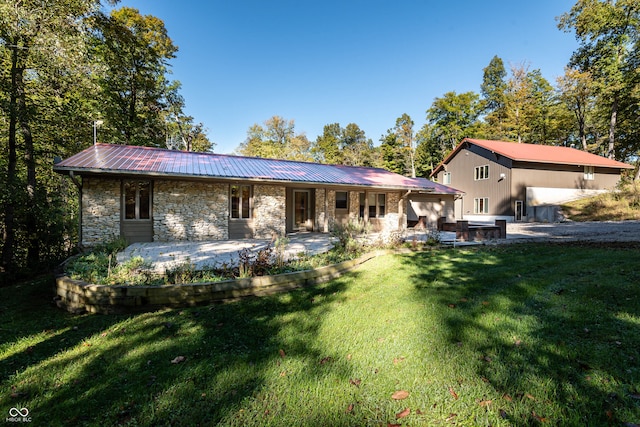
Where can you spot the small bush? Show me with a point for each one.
(350, 235)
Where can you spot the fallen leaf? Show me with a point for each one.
(452, 305)
(538, 417)
(397, 360)
(451, 416)
(528, 396)
(518, 342)
(380, 339)
(282, 353)
(507, 398)
(325, 360)
(400, 395)
(419, 412)
(356, 382)
(487, 359)
(485, 303)
(403, 414)
(349, 356)
(178, 359)
(453, 393)
(283, 373)
(463, 300)
(349, 409)
(485, 403)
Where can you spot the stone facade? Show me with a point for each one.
(269, 211)
(199, 210)
(100, 210)
(321, 222)
(186, 210)
(354, 205)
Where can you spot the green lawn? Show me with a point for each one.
(502, 335)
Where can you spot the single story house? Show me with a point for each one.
(518, 182)
(151, 194)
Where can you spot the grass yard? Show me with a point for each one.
(504, 335)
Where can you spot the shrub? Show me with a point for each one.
(348, 235)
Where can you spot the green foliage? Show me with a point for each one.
(276, 140)
(350, 235)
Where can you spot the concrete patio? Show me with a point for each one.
(219, 253)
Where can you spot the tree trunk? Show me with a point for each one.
(8, 234)
(612, 128)
(31, 220)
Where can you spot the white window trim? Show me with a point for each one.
(485, 205)
(589, 173)
(481, 173)
(446, 178)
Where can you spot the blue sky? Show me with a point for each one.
(367, 62)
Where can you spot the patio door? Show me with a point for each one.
(301, 210)
(136, 221)
(519, 210)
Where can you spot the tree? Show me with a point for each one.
(327, 147)
(404, 132)
(454, 117)
(357, 149)
(391, 152)
(277, 140)
(133, 53)
(42, 47)
(493, 90)
(609, 35)
(576, 90)
(181, 131)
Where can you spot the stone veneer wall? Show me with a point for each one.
(321, 215)
(100, 210)
(269, 211)
(190, 210)
(392, 218)
(331, 208)
(354, 205)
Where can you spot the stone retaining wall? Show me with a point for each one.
(79, 297)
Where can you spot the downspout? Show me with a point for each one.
(79, 185)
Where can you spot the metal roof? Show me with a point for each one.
(127, 160)
(538, 154)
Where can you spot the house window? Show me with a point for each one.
(446, 178)
(341, 200)
(481, 205)
(589, 173)
(240, 201)
(137, 200)
(377, 205)
(481, 172)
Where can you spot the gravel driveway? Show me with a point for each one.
(601, 231)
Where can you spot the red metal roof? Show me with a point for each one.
(538, 154)
(125, 159)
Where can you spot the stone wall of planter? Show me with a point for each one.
(80, 297)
